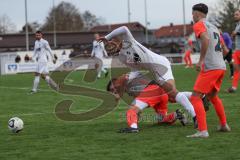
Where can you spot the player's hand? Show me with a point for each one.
(199, 66)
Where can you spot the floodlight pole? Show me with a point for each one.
(129, 12)
(54, 26)
(146, 21)
(184, 20)
(26, 27)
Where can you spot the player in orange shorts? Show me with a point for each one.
(236, 54)
(188, 51)
(146, 93)
(212, 68)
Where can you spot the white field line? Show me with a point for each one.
(24, 88)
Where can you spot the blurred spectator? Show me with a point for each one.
(26, 58)
(18, 59)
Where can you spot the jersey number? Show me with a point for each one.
(218, 46)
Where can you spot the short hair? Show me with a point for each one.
(38, 32)
(110, 83)
(201, 7)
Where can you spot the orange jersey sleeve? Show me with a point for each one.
(199, 28)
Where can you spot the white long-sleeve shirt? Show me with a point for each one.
(42, 51)
(98, 50)
(135, 55)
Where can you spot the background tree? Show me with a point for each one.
(67, 18)
(6, 26)
(222, 14)
(32, 27)
(90, 20)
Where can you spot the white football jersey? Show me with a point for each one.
(135, 55)
(42, 51)
(98, 50)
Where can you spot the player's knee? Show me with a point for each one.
(134, 108)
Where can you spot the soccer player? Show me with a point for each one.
(136, 56)
(41, 54)
(212, 68)
(188, 51)
(99, 52)
(236, 54)
(146, 93)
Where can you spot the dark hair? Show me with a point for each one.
(201, 7)
(38, 32)
(110, 83)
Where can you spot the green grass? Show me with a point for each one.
(47, 137)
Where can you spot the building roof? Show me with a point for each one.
(133, 26)
(173, 31)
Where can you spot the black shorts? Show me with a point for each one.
(228, 57)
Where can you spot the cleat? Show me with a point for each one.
(206, 103)
(106, 74)
(32, 92)
(195, 124)
(224, 128)
(202, 134)
(128, 130)
(231, 90)
(181, 117)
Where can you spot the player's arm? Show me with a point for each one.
(119, 31)
(201, 32)
(223, 46)
(47, 47)
(104, 50)
(33, 58)
(204, 38)
(93, 53)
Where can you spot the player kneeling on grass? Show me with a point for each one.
(147, 93)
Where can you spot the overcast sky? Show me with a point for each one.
(160, 12)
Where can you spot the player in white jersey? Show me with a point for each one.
(134, 55)
(99, 52)
(42, 52)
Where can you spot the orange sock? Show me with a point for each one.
(219, 108)
(235, 79)
(132, 117)
(168, 118)
(200, 112)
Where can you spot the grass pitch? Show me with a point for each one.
(47, 137)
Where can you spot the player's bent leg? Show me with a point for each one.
(201, 116)
(219, 108)
(236, 74)
(132, 117)
(50, 82)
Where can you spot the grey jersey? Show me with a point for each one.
(237, 37)
(214, 56)
(136, 83)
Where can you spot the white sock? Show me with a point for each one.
(35, 83)
(187, 94)
(184, 101)
(104, 70)
(99, 74)
(134, 125)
